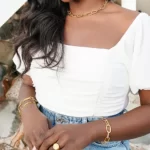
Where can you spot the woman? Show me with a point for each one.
(80, 59)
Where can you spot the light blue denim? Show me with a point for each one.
(56, 118)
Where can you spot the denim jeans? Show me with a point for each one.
(56, 118)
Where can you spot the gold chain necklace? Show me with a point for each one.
(93, 12)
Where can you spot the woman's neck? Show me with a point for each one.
(83, 6)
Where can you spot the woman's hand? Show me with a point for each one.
(69, 137)
(36, 125)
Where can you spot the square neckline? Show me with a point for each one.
(118, 43)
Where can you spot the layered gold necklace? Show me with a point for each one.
(93, 12)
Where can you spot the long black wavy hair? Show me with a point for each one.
(42, 29)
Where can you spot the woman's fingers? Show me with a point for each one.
(69, 146)
(49, 133)
(48, 143)
(38, 139)
(27, 141)
(61, 142)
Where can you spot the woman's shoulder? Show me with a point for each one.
(132, 21)
(125, 19)
(127, 16)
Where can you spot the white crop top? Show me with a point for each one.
(94, 81)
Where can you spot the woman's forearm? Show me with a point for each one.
(131, 125)
(27, 88)
(25, 92)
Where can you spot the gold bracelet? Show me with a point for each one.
(22, 106)
(26, 99)
(23, 102)
(108, 130)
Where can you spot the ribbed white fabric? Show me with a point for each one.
(94, 81)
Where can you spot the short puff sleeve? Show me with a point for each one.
(140, 68)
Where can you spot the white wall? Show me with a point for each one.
(130, 4)
(143, 5)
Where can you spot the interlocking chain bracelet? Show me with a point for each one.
(108, 130)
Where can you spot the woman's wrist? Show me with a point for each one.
(27, 104)
(29, 110)
(97, 131)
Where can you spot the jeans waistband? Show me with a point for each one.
(71, 119)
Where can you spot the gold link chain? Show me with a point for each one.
(93, 12)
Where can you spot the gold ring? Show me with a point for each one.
(56, 146)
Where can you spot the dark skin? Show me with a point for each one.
(33, 134)
(109, 27)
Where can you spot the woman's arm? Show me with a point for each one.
(35, 124)
(130, 125)
(133, 124)
(27, 90)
